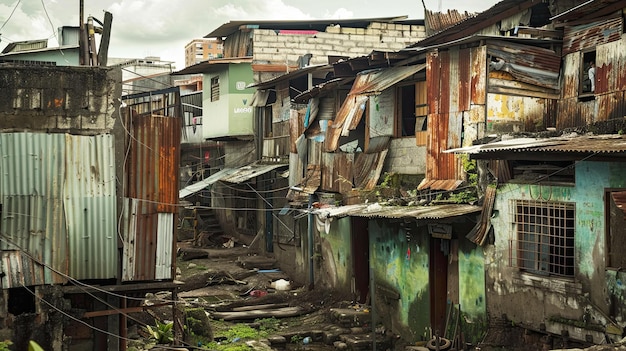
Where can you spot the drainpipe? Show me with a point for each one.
(310, 243)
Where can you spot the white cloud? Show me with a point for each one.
(339, 14)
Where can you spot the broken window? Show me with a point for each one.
(544, 239)
(588, 73)
(616, 229)
(215, 88)
(412, 110)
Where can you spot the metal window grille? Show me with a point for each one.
(215, 88)
(544, 237)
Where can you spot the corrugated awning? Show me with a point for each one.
(250, 171)
(194, 188)
(610, 145)
(376, 210)
(367, 83)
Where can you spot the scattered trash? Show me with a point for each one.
(230, 243)
(306, 340)
(281, 285)
(258, 293)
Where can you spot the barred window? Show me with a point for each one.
(215, 88)
(544, 237)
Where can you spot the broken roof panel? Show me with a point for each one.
(250, 171)
(194, 188)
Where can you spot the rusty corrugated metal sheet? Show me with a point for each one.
(165, 246)
(337, 172)
(59, 205)
(446, 184)
(250, 171)
(351, 109)
(590, 35)
(527, 63)
(367, 169)
(436, 22)
(611, 67)
(152, 168)
(571, 75)
(91, 205)
(366, 83)
(465, 78)
(377, 210)
(478, 71)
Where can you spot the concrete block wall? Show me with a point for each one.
(405, 157)
(273, 47)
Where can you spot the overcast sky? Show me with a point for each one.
(162, 27)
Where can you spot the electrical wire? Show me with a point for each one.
(11, 15)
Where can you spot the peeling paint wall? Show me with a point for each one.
(335, 267)
(550, 297)
(401, 266)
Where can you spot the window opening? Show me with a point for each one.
(544, 241)
(588, 73)
(215, 88)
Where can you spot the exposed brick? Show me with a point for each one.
(348, 30)
(333, 29)
(376, 25)
(371, 31)
(360, 31)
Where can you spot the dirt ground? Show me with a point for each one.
(229, 279)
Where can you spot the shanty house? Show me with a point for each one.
(271, 49)
(88, 195)
(551, 235)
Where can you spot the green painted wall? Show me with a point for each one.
(592, 179)
(406, 273)
(472, 299)
(336, 245)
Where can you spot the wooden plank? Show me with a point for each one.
(127, 310)
(254, 314)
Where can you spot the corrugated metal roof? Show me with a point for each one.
(587, 144)
(474, 24)
(250, 171)
(231, 27)
(195, 187)
(212, 65)
(377, 210)
(438, 21)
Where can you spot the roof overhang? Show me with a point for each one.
(376, 210)
(211, 65)
(566, 148)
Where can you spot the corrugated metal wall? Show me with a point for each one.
(609, 99)
(90, 206)
(152, 195)
(58, 207)
(455, 88)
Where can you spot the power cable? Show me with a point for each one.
(11, 15)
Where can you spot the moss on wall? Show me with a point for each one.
(401, 263)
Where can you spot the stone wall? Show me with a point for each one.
(79, 100)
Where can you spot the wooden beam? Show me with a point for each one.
(126, 310)
(273, 67)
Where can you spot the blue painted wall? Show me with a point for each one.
(554, 296)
